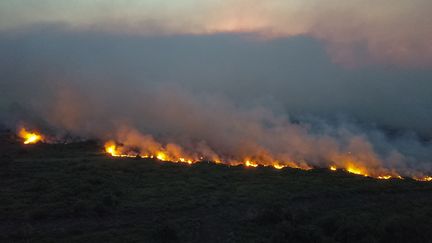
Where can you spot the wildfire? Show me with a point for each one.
(250, 164)
(426, 178)
(385, 177)
(356, 171)
(183, 160)
(278, 166)
(112, 149)
(30, 137)
(116, 150)
(161, 156)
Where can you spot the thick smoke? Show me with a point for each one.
(186, 96)
(355, 32)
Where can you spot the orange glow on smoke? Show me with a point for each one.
(116, 150)
(426, 178)
(162, 154)
(250, 164)
(112, 149)
(278, 166)
(30, 137)
(357, 171)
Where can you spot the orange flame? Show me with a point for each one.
(278, 166)
(163, 154)
(30, 137)
(112, 149)
(250, 164)
(357, 171)
(385, 177)
(116, 150)
(426, 178)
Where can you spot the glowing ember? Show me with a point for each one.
(30, 137)
(385, 177)
(333, 168)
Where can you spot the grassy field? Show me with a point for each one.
(75, 193)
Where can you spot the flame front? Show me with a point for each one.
(250, 164)
(278, 166)
(161, 156)
(111, 148)
(356, 171)
(30, 137)
(115, 151)
(352, 163)
(167, 153)
(425, 178)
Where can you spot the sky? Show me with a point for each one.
(383, 31)
(173, 69)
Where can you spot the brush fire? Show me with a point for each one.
(175, 153)
(116, 150)
(30, 137)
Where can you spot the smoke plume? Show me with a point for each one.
(204, 99)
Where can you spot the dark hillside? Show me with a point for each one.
(75, 193)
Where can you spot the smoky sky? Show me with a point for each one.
(384, 31)
(292, 75)
(224, 96)
(316, 83)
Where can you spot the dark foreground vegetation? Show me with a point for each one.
(75, 193)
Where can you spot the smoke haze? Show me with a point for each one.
(354, 32)
(222, 96)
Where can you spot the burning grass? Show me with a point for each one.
(30, 137)
(115, 150)
(74, 193)
(174, 153)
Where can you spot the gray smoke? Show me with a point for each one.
(227, 95)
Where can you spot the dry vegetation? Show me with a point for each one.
(75, 193)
